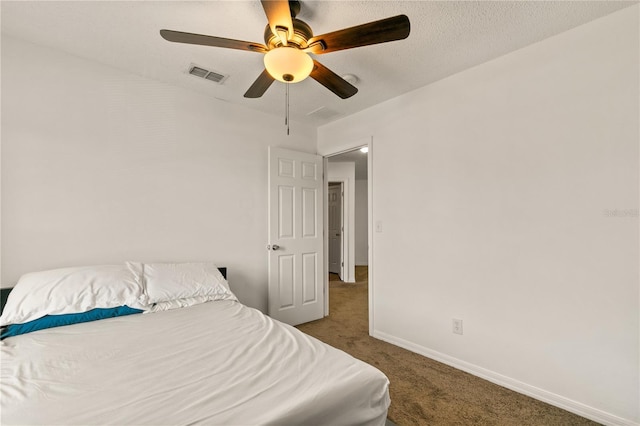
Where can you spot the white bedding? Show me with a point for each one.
(217, 363)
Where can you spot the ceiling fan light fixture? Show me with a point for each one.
(288, 64)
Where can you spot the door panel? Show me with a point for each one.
(285, 213)
(310, 223)
(309, 278)
(295, 236)
(309, 171)
(286, 282)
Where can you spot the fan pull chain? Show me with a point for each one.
(286, 118)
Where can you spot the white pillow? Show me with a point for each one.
(165, 282)
(72, 290)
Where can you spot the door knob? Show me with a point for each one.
(273, 247)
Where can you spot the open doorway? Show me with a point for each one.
(347, 218)
(347, 180)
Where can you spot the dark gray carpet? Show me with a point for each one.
(424, 391)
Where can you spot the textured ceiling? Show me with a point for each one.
(446, 37)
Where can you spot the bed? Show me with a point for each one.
(183, 361)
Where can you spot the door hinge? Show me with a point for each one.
(342, 264)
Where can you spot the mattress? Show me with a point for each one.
(216, 363)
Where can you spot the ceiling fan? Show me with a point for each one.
(288, 42)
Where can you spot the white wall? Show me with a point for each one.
(497, 190)
(99, 166)
(361, 225)
(346, 172)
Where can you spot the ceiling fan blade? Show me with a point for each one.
(382, 31)
(279, 16)
(205, 40)
(259, 86)
(332, 81)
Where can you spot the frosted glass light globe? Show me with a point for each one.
(288, 64)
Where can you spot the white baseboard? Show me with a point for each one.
(509, 383)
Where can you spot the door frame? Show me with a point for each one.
(346, 147)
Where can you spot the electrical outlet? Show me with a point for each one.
(457, 326)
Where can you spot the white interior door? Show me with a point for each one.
(296, 254)
(335, 229)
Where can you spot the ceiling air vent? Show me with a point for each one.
(209, 75)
